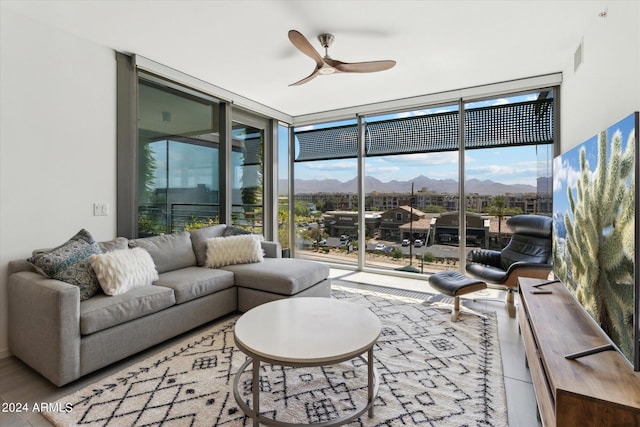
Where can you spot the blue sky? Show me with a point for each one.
(514, 165)
(566, 167)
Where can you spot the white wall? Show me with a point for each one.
(57, 141)
(606, 87)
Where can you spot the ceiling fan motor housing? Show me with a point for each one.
(326, 40)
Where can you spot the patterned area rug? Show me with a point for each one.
(432, 373)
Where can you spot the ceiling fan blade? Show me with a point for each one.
(306, 79)
(305, 47)
(361, 67)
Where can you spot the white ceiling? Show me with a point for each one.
(242, 45)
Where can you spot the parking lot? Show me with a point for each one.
(438, 251)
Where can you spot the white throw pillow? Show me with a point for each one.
(123, 270)
(234, 250)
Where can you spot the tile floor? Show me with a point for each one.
(19, 383)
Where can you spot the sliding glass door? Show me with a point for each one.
(178, 159)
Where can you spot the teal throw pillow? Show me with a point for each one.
(69, 263)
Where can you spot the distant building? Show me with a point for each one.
(447, 227)
(330, 201)
(427, 201)
(420, 229)
(337, 223)
(393, 219)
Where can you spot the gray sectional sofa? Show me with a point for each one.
(64, 338)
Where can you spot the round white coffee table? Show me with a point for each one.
(301, 332)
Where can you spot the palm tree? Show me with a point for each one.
(499, 210)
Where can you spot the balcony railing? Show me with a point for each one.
(154, 219)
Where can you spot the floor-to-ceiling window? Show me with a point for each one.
(416, 216)
(188, 159)
(508, 158)
(199, 161)
(178, 152)
(411, 171)
(326, 195)
(283, 189)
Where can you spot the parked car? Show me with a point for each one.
(322, 242)
(389, 249)
(417, 243)
(379, 247)
(405, 242)
(344, 237)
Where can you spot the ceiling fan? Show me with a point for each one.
(327, 65)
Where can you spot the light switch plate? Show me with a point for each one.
(100, 209)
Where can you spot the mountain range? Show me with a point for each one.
(486, 187)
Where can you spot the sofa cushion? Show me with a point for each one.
(69, 263)
(169, 251)
(284, 276)
(102, 311)
(199, 239)
(193, 282)
(114, 245)
(234, 250)
(123, 270)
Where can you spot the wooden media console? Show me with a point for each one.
(596, 390)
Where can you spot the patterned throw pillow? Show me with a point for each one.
(234, 231)
(69, 263)
(123, 270)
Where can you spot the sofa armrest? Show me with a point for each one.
(272, 249)
(20, 265)
(44, 325)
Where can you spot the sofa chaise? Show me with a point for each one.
(64, 338)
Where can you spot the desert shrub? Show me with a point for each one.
(197, 223)
(428, 257)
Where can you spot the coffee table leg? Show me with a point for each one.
(256, 391)
(370, 381)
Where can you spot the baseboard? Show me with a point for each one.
(4, 353)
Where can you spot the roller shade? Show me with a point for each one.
(251, 147)
(525, 123)
(252, 150)
(331, 143)
(419, 134)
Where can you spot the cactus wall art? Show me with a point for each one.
(595, 227)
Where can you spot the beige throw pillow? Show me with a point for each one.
(230, 250)
(123, 270)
